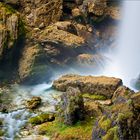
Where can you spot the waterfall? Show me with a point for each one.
(125, 61)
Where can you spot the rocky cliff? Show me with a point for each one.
(65, 32)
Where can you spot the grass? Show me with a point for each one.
(94, 96)
(81, 130)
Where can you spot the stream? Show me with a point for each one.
(19, 115)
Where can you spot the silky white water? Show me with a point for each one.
(15, 120)
(125, 61)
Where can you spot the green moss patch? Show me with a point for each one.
(112, 134)
(94, 96)
(81, 130)
(124, 116)
(105, 123)
(42, 118)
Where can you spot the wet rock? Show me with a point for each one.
(33, 66)
(33, 103)
(89, 62)
(71, 108)
(89, 84)
(9, 30)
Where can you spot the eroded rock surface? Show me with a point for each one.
(71, 109)
(89, 84)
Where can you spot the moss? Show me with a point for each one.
(94, 96)
(22, 30)
(81, 130)
(41, 119)
(105, 123)
(8, 8)
(1, 132)
(112, 134)
(124, 116)
(42, 129)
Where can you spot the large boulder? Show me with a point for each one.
(89, 84)
(71, 109)
(59, 33)
(33, 66)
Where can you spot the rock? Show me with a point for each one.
(122, 94)
(89, 62)
(97, 7)
(89, 84)
(71, 106)
(114, 12)
(121, 120)
(9, 30)
(33, 66)
(33, 103)
(136, 100)
(57, 34)
(40, 12)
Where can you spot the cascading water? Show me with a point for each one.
(125, 62)
(16, 119)
(13, 121)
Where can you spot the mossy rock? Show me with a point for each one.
(105, 123)
(125, 116)
(112, 134)
(42, 118)
(33, 103)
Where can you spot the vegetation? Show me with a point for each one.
(94, 96)
(41, 119)
(81, 130)
(1, 132)
(105, 123)
(112, 134)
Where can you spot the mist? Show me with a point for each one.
(124, 62)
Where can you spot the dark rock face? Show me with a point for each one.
(71, 106)
(33, 66)
(89, 84)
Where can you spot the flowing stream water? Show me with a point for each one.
(17, 117)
